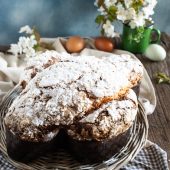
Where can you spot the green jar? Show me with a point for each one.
(139, 45)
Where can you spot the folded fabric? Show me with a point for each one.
(149, 158)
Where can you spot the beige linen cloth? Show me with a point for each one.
(11, 67)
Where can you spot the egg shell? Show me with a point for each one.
(75, 44)
(155, 52)
(104, 44)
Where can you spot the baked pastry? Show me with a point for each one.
(62, 90)
(38, 64)
(26, 151)
(103, 132)
(48, 58)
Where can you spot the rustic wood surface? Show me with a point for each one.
(159, 121)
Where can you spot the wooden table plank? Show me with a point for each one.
(159, 121)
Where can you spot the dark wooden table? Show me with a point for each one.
(159, 121)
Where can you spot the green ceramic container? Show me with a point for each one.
(130, 44)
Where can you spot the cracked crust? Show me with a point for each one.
(109, 120)
(38, 64)
(68, 87)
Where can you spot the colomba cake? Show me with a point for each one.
(61, 91)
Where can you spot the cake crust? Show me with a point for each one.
(110, 120)
(67, 87)
(98, 151)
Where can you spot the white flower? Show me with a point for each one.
(26, 29)
(138, 21)
(130, 14)
(14, 49)
(109, 3)
(151, 2)
(148, 11)
(33, 41)
(96, 3)
(128, 3)
(127, 13)
(121, 12)
(109, 29)
(25, 46)
(29, 52)
(102, 11)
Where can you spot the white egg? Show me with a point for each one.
(155, 52)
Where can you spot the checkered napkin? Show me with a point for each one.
(4, 165)
(149, 158)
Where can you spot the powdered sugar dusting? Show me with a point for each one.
(109, 120)
(68, 87)
(116, 109)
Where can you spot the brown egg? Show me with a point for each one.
(75, 44)
(104, 44)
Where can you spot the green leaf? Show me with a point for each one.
(162, 78)
(111, 18)
(137, 4)
(99, 19)
(112, 10)
(36, 47)
(102, 31)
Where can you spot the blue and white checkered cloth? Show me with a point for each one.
(149, 158)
